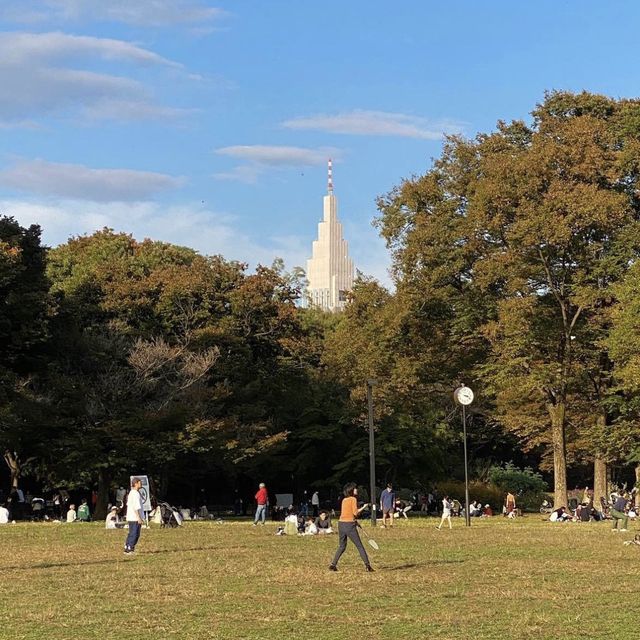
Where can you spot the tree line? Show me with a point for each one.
(514, 260)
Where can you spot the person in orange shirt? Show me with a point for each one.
(347, 526)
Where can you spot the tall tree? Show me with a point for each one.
(540, 218)
(24, 312)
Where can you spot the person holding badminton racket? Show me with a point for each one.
(348, 526)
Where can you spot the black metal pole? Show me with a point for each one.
(467, 515)
(372, 455)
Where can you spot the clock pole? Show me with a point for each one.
(464, 396)
(467, 514)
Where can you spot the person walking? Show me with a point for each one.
(348, 526)
(387, 505)
(135, 516)
(446, 512)
(262, 499)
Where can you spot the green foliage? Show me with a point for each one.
(518, 481)
(515, 264)
(480, 491)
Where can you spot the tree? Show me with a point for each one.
(23, 332)
(535, 222)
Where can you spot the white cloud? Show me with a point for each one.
(142, 13)
(113, 109)
(84, 183)
(192, 225)
(279, 155)
(37, 80)
(247, 173)
(376, 123)
(262, 157)
(20, 47)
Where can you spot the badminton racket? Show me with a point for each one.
(370, 540)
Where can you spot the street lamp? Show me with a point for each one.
(464, 397)
(372, 452)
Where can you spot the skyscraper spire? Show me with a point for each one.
(330, 269)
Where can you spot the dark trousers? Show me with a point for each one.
(134, 535)
(349, 530)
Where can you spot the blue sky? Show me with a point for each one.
(209, 124)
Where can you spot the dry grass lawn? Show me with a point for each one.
(498, 579)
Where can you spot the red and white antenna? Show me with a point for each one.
(330, 176)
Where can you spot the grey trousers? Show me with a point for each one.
(349, 530)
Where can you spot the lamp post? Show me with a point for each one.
(372, 453)
(464, 397)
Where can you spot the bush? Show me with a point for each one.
(518, 481)
(484, 493)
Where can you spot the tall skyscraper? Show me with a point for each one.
(329, 270)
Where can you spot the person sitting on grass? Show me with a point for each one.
(636, 540)
(111, 521)
(487, 512)
(560, 515)
(402, 508)
(584, 512)
(72, 516)
(310, 528)
(323, 523)
(4, 514)
(291, 523)
(84, 514)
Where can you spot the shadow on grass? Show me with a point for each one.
(57, 565)
(413, 565)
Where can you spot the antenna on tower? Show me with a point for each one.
(330, 176)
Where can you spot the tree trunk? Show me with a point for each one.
(104, 480)
(599, 481)
(557, 415)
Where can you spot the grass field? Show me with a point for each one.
(498, 579)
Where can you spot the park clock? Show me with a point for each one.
(463, 395)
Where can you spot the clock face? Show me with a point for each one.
(464, 395)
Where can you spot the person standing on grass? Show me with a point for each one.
(387, 505)
(446, 512)
(510, 503)
(135, 516)
(262, 498)
(348, 526)
(618, 513)
(315, 503)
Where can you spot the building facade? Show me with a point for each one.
(330, 270)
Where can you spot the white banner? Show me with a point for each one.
(145, 491)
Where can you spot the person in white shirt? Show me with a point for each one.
(135, 516)
(71, 514)
(315, 503)
(4, 515)
(111, 521)
(446, 512)
(310, 528)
